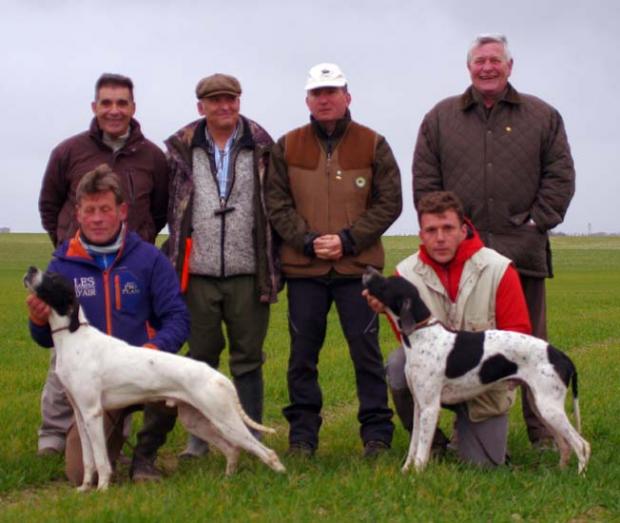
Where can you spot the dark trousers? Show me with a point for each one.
(158, 422)
(309, 301)
(535, 296)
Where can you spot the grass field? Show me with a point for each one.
(584, 313)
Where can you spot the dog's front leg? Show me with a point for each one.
(93, 423)
(88, 462)
(429, 415)
(415, 433)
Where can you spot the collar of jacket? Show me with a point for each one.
(341, 127)
(135, 133)
(470, 97)
(450, 274)
(245, 140)
(74, 249)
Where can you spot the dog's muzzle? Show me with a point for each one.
(32, 278)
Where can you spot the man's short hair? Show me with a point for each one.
(115, 80)
(101, 179)
(489, 38)
(439, 202)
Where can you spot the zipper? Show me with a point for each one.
(106, 295)
(222, 237)
(117, 292)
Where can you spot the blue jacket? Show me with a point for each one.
(137, 298)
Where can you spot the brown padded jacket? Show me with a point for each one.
(142, 169)
(508, 167)
(347, 183)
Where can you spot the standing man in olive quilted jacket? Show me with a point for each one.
(332, 191)
(506, 155)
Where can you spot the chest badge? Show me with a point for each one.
(360, 181)
(338, 174)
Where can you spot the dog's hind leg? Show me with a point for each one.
(197, 424)
(231, 427)
(553, 413)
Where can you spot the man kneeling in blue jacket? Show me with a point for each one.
(128, 289)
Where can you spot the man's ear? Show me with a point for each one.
(407, 319)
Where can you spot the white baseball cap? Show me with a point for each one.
(325, 75)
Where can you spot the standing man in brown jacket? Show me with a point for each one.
(115, 139)
(332, 191)
(506, 155)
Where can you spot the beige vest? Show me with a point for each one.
(473, 310)
(330, 193)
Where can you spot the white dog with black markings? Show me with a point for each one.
(101, 373)
(444, 366)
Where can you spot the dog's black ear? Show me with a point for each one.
(74, 324)
(407, 318)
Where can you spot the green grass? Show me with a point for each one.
(337, 485)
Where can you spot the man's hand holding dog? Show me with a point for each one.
(373, 302)
(38, 311)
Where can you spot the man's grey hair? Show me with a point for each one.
(488, 38)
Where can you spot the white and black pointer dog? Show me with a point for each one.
(100, 373)
(444, 366)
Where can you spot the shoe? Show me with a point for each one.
(195, 448)
(143, 472)
(49, 451)
(374, 448)
(301, 449)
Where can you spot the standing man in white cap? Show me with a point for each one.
(333, 190)
(220, 240)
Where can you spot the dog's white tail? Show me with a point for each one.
(249, 421)
(577, 414)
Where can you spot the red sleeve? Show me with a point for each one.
(511, 312)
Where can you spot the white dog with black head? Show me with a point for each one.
(101, 373)
(444, 366)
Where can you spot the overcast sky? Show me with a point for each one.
(400, 58)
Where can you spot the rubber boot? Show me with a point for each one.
(250, 389)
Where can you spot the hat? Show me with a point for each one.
(218, 84)
(325, 75)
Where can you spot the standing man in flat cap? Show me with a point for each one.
(220, 241)
(333, 190)
(115, 139)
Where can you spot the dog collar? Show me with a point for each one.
(428, 322)
(82, 324)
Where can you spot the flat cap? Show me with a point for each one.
(218, 84)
